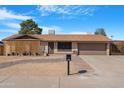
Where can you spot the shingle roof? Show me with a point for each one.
(64, 37)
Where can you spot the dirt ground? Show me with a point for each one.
(17, 58)
(40, 66)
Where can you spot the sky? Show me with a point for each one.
(64, 19)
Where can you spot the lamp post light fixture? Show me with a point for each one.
(68, 59)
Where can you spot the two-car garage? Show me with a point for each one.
(92, 48)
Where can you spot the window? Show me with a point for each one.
(64, 45)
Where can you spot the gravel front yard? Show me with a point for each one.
(40, 66)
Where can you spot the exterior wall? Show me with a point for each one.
(6, 48)
(45, 50)
(75, 49)
(39, 47)
(1, 50)
(21, 46)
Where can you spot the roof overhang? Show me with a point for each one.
(60, 38)
(20, 37)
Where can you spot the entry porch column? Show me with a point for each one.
(46, 48)
(75, 47)
(108, 49)
(55, 47)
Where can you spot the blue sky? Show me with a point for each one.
(64, 19)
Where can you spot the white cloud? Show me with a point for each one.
(7, 14)
(8, 31)
(66, 10)
(12, 25)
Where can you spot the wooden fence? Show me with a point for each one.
(23, 47)
(117, 48)
(1, 50)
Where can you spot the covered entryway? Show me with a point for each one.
(51, 47)
(92, 48)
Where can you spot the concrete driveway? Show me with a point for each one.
(108, 71)
(104, 72)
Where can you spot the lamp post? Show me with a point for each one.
(68, 59)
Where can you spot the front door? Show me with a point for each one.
(51, 47)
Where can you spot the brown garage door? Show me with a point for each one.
(92, 49)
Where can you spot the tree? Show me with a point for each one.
(100, 31)
(30, 27)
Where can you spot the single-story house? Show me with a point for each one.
(51, 44)
(1, 48)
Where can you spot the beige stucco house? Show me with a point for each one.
(51, 44)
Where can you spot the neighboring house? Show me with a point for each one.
(51, 44)
(1, 48)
